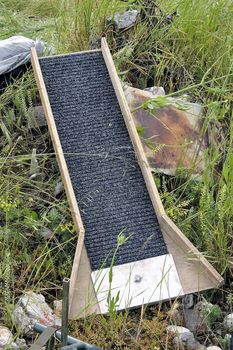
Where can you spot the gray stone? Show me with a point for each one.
(32, 308)
(184, 338)
(21, 343)
(45, 232)
(156, 90)
(203, 307)
(192, 319)
(188, 301)
(125, 19)
(181, 335)
(213, 347)
(202, 316)
(6, 337)
(228, 322)
(59, 188)
(37, 117)
(177, 330)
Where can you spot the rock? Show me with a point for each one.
(37, 117)
(21, 343)
(32, 308)
(213, 347)
(125, 19)
(57, 305)
(182, 335)
(208, 312)
(228, 322)
(57, 321)
(184, 338)
(192, 320)
(156, 90)
(45, 232)
(59, 188)
(188, 301)
(202, 316)
(6, 337)
(177, 330)
(188, 343)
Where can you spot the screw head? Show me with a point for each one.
(137, 278)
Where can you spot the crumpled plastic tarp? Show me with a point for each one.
(15, 51)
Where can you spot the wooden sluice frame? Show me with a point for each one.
(195, 272)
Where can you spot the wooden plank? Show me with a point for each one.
(142, 160)
(64, 172)
(84, 302)
(195, 272)
(72, 53)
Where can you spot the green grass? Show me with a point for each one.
(190, 53)
(28, 206)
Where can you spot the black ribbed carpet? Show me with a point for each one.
(106, 178)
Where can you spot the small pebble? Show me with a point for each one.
(37, 117)
(188, 301)
(6, 337)
(228, 322)
(182, 335)
(156, 90)
(177, 330)
(45, 232)
(59, 188)
(125, 19)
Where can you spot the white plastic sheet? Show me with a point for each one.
(15, 51)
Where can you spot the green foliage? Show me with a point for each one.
(28, 206)
(214, 314)
(163, 102)
(80, 24)
(186, 40)
(140, 330)
(178, 209)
